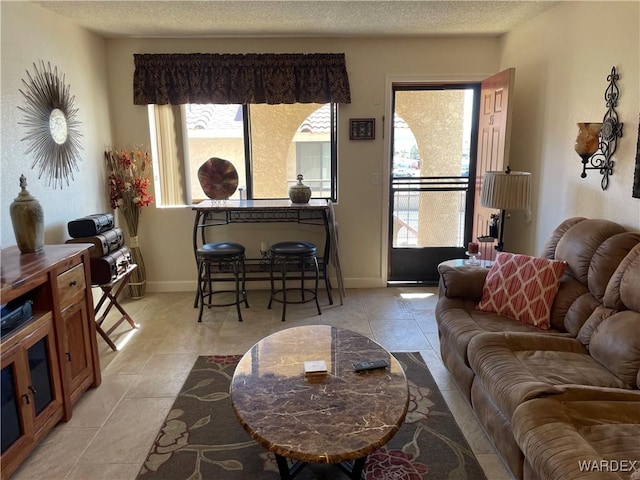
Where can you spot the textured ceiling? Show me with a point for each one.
(164, 18)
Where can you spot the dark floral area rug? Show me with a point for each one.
(201, 438)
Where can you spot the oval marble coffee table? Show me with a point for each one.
(338, 417)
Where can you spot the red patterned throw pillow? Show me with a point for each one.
(522, 287)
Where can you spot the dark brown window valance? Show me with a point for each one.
(240, 78)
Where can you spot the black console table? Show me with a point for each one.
(215, 213)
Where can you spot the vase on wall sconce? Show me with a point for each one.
(597, 142)
(587, 141)
(27, 218)
(299, 193)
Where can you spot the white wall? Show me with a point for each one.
(165, 234)
(31, 34)
(562, 60)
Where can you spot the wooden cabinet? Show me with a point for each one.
(31, 390)
(77, 336)
(49, 361)
(77, 349)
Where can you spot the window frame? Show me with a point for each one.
(248, 157)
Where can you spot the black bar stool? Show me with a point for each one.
(223, 256)
(300, 254)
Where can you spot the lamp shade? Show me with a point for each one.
(506, 191)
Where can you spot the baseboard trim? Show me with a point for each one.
(190, 285)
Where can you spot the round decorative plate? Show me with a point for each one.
(218, 178)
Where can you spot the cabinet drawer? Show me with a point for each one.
(71, 284)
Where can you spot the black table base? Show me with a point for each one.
(352, 469)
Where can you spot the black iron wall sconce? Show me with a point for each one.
(597, 142)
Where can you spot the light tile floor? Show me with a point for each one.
(114, 425)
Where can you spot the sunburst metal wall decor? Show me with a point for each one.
(52, 126)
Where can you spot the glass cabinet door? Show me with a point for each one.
(31, 390)
(41, 386)
(11, 427)
(44, 388)
(15, 420)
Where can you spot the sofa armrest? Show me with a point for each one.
(465, 282)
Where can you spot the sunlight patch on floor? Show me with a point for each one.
(413, 296)
(126, 338)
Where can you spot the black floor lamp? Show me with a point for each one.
(506, 191)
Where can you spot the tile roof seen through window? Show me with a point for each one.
(229, 117)
(213, 117)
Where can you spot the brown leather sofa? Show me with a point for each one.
(503, 366)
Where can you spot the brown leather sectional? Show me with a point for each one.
(562, 403)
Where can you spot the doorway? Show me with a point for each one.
(433, 151)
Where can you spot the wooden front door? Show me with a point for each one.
(493, 146)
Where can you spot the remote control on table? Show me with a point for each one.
(373, 365)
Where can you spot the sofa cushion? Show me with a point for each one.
(516, 367)
(459, 322)
(568, 295)
(615, 344)
(578, 247)
(593, 249)
(612, 332)
(549, 249)
(522, 287)
(622, 291)
(598, 425)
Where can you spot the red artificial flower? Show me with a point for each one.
(128, 183)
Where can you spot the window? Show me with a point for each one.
(272, 94)
(268, 144)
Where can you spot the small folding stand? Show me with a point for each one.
(110, 296)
